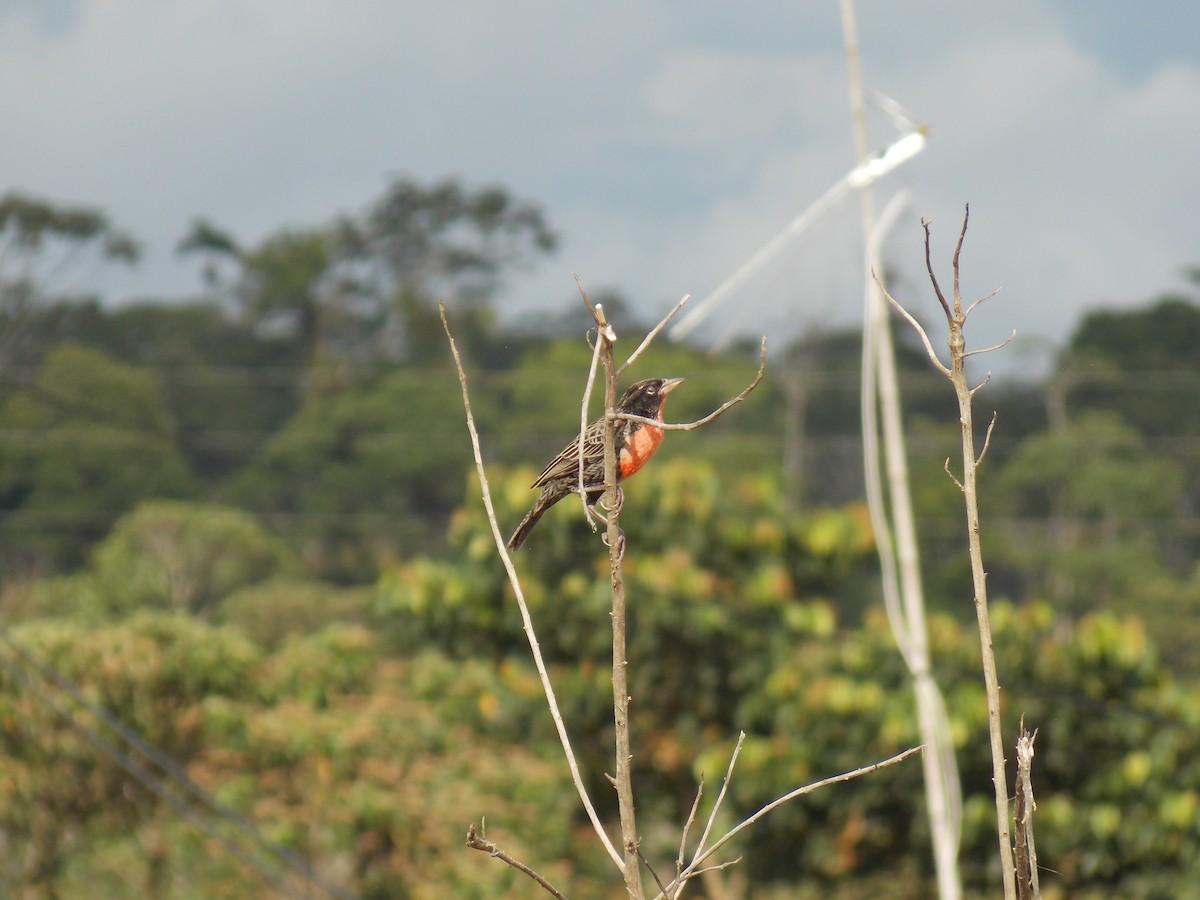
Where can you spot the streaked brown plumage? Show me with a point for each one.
(635, 444)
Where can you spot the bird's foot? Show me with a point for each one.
(618, 500)
(620, 543)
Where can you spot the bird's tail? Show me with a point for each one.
(531, 518)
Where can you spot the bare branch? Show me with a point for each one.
(979, 387)
(694, 869)
(981, 300)
(964, 393)
(951, 474)
(712, 816)
(719, 867)
(987, 439)
(954, 265)
(1004, 343)
(653, 874)
(479, 842)
(687, 826)
(615, 540)
(720, 411)
(937, 288)
(598, 312)
(587, 301)
(527, 621)
(653, 333)
(924, 335)
(1027, 867)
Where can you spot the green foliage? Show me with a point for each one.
(39, 239)
(732, 628)
(184, 556)
(270, 611)
(86, 442)
(1083, 503)
(59, 790)
(365, 727)
(364, 474)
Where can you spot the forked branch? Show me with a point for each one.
(526, 620)
(956, 318)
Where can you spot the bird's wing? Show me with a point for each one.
(566, 464)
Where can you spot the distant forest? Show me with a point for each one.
(265, 495)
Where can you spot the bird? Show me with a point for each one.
(635, 443)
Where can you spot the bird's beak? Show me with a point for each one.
(670, 384)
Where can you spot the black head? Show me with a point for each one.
(646, 397)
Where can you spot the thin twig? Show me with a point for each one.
(718, 867)
(526, 620)
(687, 825)
(652, 334)
(587, 301)
(712, 816)
(992, 349)
(981, 300)
(653, 874)
(720, 411)
(987, 439)
(479, 842)
(951, 474)
(693, 868)
(937, 288)
(598, 312)
(917, 326)
(979, 387)
(962, 233)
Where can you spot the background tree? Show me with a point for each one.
(363, 285)
(85, 442)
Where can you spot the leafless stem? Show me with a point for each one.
(955, 320)
(992, 349)
(587, 301)
(937, 288)
(917, 326)
(652, 334)
(712, 816)
(526, 620)
(477, 841)
(720, 411)
(694, 868)
(598, 312)
(987, 438)
(1027, 865)
(653, 874)
(687, 825)
(951, 474)
(620, 676)
(971, 308)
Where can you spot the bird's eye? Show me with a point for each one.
(651, 390)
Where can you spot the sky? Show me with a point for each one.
(665, 141)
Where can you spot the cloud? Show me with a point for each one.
(666, 143)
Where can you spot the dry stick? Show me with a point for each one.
(526, 620)
(956, 372)
(620, 677)
(687, 826)
(720, 411)
(712, 816)
(693, 868)
(652, 334)
(598, 312)
(478, 842)
(1027, 865)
